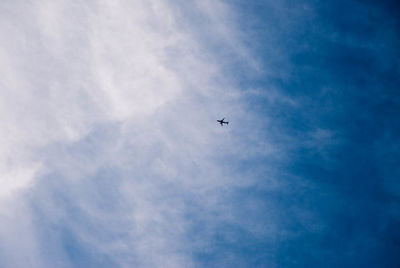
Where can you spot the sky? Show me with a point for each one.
(111, 156)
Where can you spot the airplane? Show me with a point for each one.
(222, 122)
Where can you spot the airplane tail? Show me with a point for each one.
(227, 123)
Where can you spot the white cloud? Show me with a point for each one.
(109, 137)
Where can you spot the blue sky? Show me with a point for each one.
(111, 155)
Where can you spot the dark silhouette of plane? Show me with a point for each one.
(222, 122)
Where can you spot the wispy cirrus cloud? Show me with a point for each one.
(110, 150)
